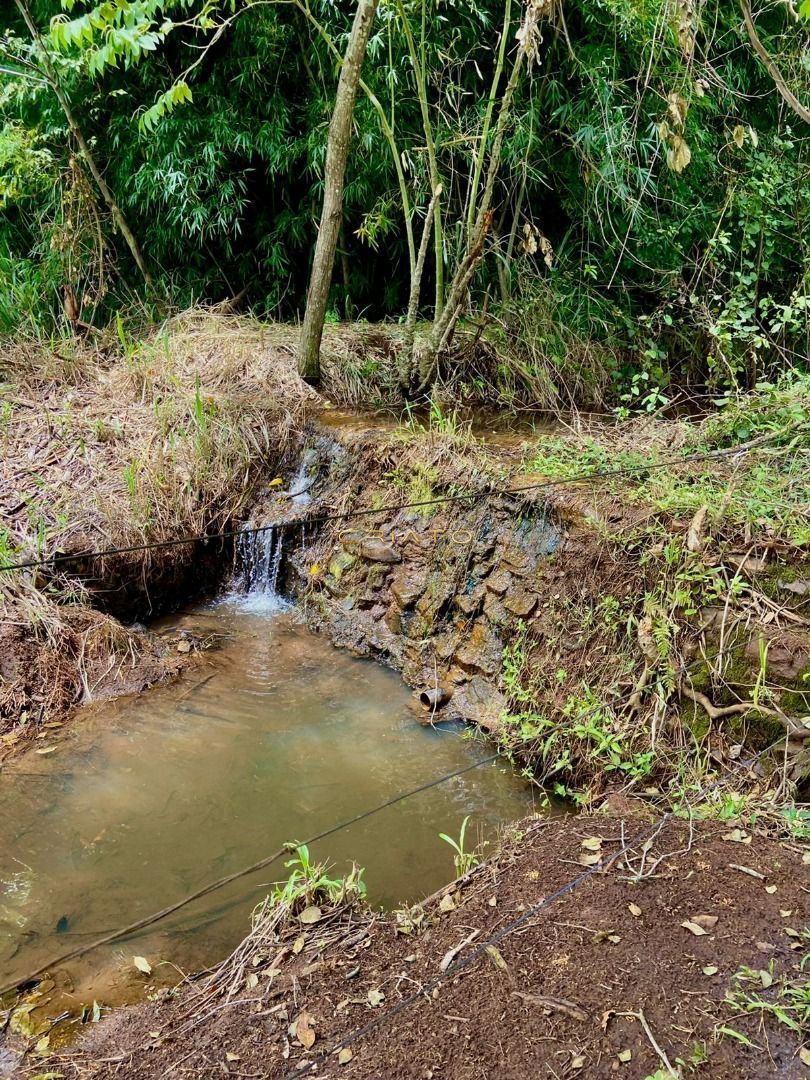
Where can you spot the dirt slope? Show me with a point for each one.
(563, 996)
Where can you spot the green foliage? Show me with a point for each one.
(650, 216)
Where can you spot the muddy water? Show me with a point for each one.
(273, 737)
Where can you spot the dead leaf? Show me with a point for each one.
(47, 750)
(710, 970)
(252, 981)
(770, 889)
(804, 1054)
(694, 536)
(708, 922)
(578, 1062)
(624, 1056)
(678, 154)
(496, 958)
(737, 836)
(553, 1004)
(592, 843)
(634, 910)
(693, 928)
(298, 944)
(345, 1056)
(184, 646)
(310, 915)
(447, 904)
(765, 978)
(231, 1057)
(375, 998)
(606, 1015)
(590, 860)
(304, 1031)
(142, 964)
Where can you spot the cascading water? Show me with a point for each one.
(260, 555)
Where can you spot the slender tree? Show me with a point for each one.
(337, 151)
(52, 77)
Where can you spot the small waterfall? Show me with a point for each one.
(304, 478)
(260, 555)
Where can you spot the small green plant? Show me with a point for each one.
(463, 859)
(308, 882)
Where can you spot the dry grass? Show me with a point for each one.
(117, 443)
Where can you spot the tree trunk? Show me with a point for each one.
(337, 151)
(106, 194)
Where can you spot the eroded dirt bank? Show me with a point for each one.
(608, 980)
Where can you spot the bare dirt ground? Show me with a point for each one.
(671, 960)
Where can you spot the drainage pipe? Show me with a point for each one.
(434, 699)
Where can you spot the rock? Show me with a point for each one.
(469, 602)
(378, 551)
(498, 582)
(482, 702)
(788, 656)
(494, 610)
(800, 587)
(481, 651)
(340, 563)
(407, 587)
(392, 619)
(520, 602)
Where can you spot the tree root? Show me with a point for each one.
(717, 712)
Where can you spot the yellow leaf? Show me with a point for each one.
(142, 964)
(345, 1056)
(276, 483)
(738, 135)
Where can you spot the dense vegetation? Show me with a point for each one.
(649, 220)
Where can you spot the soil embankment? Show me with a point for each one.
(684, 951)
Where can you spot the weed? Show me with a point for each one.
(464, 860)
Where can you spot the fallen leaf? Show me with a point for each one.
(804, 1054)
(770, 889)
(304, 1031)
(375, 998)
(693, 928)
(47, 750)
(154, 1034)
(765, 978)
(310, 915)
(42, 1045)
(496, 958)
(298, 944)
(785, 912)
(252, 981)
(142, 964)
(708, 922)
(231, 1057)
(447, 904)
(737, 836)
(345, 1056)
(590, 860)
(95, 1014)
(710, 970)
(614, 938)
(184, 646)
(578, 1062)
(606, 1015)
(277, 482)
(634, 910)
(624, 1056)
(592, 843)
(806, 858)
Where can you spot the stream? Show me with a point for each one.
(271, 737)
